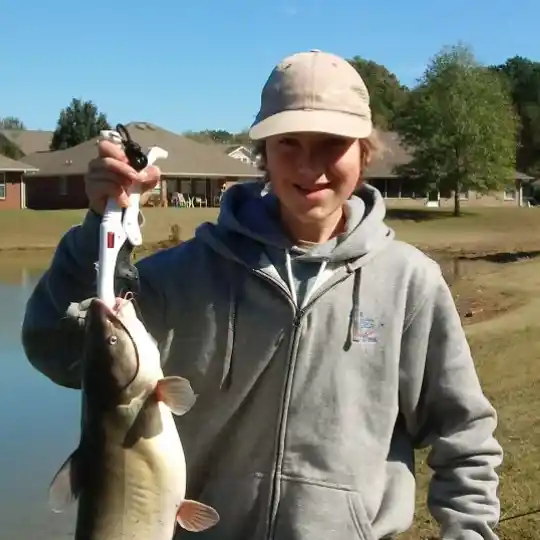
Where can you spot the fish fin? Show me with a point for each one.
(64, 488)
(176, 393)
(195, 516)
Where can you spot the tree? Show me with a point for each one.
(219, 136)
(387, 94)
(523, 76)
(77, 123)
(460, 126)
(11, 122)
(8, 147)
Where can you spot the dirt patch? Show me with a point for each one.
(504, 257)
(476, 303)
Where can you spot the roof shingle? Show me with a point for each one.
(392, 154)
(29, 141)
(186, 157)
(8, 164)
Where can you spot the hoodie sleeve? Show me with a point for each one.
(446, 409)
(54, 318)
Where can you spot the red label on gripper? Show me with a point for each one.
(110, 240)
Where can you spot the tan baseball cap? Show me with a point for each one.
(313, 92)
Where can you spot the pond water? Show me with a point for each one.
(38, 420)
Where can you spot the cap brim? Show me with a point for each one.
(316, 121)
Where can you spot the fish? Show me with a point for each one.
(128, 473)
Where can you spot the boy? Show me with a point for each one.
(322, 349)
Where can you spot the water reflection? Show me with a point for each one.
(452, 269)
(39, 420)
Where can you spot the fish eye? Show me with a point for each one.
(113, 340)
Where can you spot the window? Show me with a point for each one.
(185, 187)
(399, 188)
(200, 188)
(2, 185)
(412, 188)
(62, 186)
(393, 188)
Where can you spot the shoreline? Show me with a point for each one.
(444, 252)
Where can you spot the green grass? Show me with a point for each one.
(31, 229)
(478, 230)
(486, 229)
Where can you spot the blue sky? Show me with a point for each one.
(201, 64)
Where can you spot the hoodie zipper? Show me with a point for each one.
(291, 364)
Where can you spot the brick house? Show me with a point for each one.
(400, 191)
(194, 170)
(12, 185)
(198, 172)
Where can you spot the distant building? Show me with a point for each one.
(400, 191)
(194, 173)
(12, 183)
(242, 153)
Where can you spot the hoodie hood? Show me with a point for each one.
(249, 216)
(248, 231)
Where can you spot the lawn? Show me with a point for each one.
(488, 229)
(491, 258)
(43, 229)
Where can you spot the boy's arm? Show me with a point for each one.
(446, 409)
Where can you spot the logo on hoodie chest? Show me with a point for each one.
(366, 329)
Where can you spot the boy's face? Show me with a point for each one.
(313, 174)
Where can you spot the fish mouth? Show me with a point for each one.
(100, 311)
(103, 318)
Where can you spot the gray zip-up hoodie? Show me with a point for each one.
(311, 403)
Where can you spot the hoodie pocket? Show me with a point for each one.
(316, 512)
(241, 501)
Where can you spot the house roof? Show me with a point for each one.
(186, 157)
(233, 147)
(8, 164)
(523, 177)
(392, 153)
(29, 141)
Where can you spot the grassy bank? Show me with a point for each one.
(37, 230)
(489, 229)
(491, 258)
